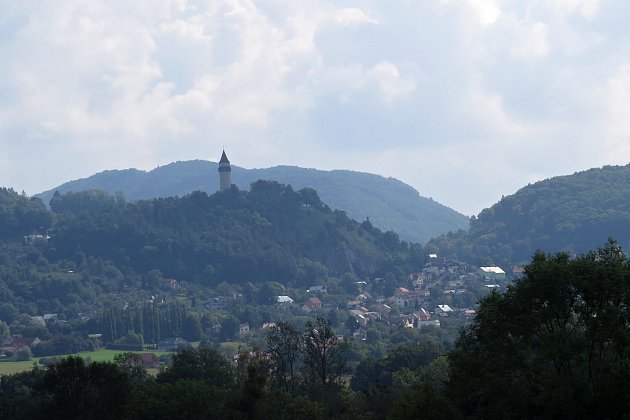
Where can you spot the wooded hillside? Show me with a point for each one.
(571, 213)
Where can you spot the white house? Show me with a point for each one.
(443, 310)
(284, 300)
(491, 273)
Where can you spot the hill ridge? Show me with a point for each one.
(570, 213)
(389, 203)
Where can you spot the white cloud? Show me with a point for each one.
(615, 139)
(416, 90)
(532, 41)
(487, 10)
(351, 16)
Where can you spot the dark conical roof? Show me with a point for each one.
(224, 158)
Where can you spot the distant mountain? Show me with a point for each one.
(389, 203)
(573, 213)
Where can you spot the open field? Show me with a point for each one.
(103, 355)
(9, 368)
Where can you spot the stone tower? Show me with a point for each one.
(225, 181)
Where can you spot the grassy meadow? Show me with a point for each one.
(102, 355)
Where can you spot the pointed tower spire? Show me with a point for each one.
(225, 181)
(224, 158)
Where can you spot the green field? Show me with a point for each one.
(104, 355)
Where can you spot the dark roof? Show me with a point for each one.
(17, 343)
(172, 341)
(224, 158)
(148, 357)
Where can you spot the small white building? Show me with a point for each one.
(317, 289)
(284, 300)
(443, 310)
(491, 273)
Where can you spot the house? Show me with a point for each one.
(243, 329)
(358, 314)
(405, 298)
(317, 289)
(14, 344)
(443, 310)
(149, 360)
(219, 302)
(284, 300)
(406, 320)
(29, 239)
(46, 318)
(430, 323)
(518, 272)
(380, 308)
(355, 303)
(96, 339)
(360, 334)
(312, 304)
(418, 280)
(173, 344)
(364, 297)
(493, 274)
(87, 315)
(422, 315)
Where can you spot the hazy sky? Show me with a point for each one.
(465, 100)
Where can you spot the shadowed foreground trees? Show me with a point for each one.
(554, 345)
(73, 389)
(313, 360)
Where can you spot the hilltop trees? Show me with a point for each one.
(21, 215)
(269, 234)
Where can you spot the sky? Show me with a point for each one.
(465, 100)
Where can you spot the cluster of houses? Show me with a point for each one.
(444, 288)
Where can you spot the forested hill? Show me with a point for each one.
(271, 233)
(571, 213)
(21, 215)
(388, 203)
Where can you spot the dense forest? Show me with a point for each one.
(271, 233)
(390, 204)
(569, 213)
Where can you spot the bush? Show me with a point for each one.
(62, 344)
(48, 361)
(123, 346)
(23, 354)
